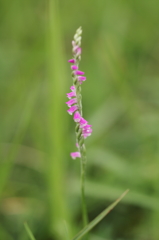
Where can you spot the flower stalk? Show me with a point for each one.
(82, 129)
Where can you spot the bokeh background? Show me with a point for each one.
(39, 182)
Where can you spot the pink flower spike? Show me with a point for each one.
(72, 109)
(71, 101)
(81, 78)
(72, 61)
(77, 117)
(75, 155)
(73, 88)
(77, 145)
(79, 72)
(74, 67)
(83, 122)
(71, 94)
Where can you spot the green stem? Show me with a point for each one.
(83, 160)
(83, 200)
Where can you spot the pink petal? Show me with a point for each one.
(87, 131)
(73, 88)
(79, 72)
(72, 61)
(87, 126)
(72, 109)
(85, 135)
(71, 94)
(75, 155)
(74, 67)
(81, 78)
(83, 122)
(77, 117)
(71, 101)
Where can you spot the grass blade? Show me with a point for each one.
(7, 164)
(99, 218)
(29, 231)
(60, 226)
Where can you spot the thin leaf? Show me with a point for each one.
(29, 231)
(99, 218)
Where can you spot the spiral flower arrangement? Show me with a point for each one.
(83, 129)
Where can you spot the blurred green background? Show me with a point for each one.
(39, 182)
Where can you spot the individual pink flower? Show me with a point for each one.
(71, 94)
(83, 122)
(86, 131)
(79, 72)
(72, 109)
(74, 67)
(77, 116)
(87, 127)
(73, 88)
(75, 155)
(81, 79)
(72, 61)
(71, 101)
